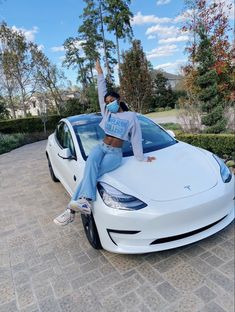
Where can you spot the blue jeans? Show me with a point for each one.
(103, 158)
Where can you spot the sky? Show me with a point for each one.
(156, 23)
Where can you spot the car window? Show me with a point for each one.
(64, 137)
(153, 137)
(60, 133)
(68, 141)
(88, 135)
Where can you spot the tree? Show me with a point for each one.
(89, 36)
(72, 107)
(212, 101)
(100, 11)
(4, 112)
(83, 50)
(208, 21)
(75, 59)
(163, 93)
(93, 101)
(92, 32)
(136, 81)
(8, 87)
(47, 76)
(25, 71)
(17, 64)
(117, 19)
(213, 17)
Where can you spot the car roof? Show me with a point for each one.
(84, 118)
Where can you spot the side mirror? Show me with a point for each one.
(66, 154)
(171, 133)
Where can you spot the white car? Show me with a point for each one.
(183, 196)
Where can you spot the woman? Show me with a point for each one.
(119, 125)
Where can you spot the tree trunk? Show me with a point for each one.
(118, 55)
(91, 71)
(23, 103)
(54, 95)
(12, 107)
(104, 44)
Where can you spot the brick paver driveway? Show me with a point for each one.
(44, 267)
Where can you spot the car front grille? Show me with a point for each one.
(184, 235)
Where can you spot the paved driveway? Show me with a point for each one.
(166, 119)
(44, 267)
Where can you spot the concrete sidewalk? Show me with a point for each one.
(44, 267)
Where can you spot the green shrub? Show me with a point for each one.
(28, 125)
(220, 144)
(160, 109)
(9, 142)
(171, 126)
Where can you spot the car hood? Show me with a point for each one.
(179, 171)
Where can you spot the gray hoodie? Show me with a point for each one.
(123, 125)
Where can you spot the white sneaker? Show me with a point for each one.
(66, 217)
(82, 204)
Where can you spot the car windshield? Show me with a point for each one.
(153, 137)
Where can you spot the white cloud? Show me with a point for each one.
(163, 30)
(172, 67)
(183, 17)
(165, 50)
(162, 2)
(151, 37)
(75, 44)
(57, 49)
(174, 39)
(29, 34)
(140, 19)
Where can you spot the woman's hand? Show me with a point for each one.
(98, 67)
(150, 158)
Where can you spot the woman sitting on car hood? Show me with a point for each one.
(119, 125)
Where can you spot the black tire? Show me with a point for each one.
(91, 231)
(53, 177)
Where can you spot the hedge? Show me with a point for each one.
(220, 144)
(28, 125)
(9, 142)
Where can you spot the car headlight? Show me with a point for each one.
(118, 200)
(224, 170)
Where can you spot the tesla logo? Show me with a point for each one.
(188, 187)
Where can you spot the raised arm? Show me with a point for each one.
(102, 89)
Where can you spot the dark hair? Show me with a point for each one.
(113, 94)
(124, 107)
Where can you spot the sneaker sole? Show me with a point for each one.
(62, 223)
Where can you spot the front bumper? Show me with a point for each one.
(165, 225)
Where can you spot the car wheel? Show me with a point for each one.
(53, 177)
(91, 231)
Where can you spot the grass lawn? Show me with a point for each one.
(170, 113)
